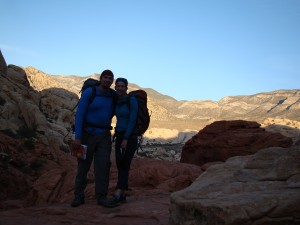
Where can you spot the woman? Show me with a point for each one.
(126, 141)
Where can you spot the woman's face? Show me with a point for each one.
(121, 88)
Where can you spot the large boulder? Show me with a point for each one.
(164, 175)
(224, 139)
(259, 189)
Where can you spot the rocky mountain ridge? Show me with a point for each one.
(45, 103)
(167, 112)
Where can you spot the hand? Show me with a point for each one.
(76, 144)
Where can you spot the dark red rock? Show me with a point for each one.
(41, 194)
(224, 139)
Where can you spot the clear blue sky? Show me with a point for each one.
(187, 49)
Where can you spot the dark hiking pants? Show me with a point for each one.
(123, 159)
(99, 149)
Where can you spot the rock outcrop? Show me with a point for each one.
(259, 189)
(224, 139)
(286, 127)
(44, 115)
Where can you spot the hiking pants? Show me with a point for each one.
(123, 159)
(99, 149)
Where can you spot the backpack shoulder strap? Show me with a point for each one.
(93, 95)
(91, 98)
(128, 101)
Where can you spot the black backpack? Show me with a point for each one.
(143, 116)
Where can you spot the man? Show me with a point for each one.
(92, 128)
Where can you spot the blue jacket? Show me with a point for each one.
(94, 118)
(126, 116)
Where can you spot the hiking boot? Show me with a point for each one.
(108, 203)
(77, 201)
(119, 198)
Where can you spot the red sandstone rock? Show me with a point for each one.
(224, 139)
(48, 188)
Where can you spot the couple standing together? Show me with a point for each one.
(93, 128)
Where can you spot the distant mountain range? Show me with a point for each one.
(167, 112)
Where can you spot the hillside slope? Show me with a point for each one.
(167, 112)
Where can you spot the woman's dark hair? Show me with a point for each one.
(124, 80)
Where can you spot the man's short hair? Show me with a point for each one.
(106, 72)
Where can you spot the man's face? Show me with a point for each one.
(106, 81)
